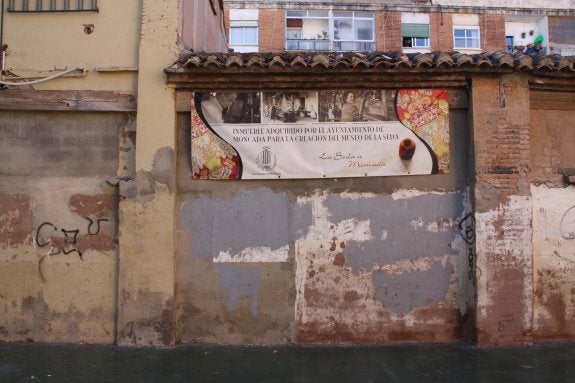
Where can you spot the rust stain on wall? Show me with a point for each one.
(504, 282)
(503, 321)
(15, 219)
(100, 206)
(556, 323)
(554, 262)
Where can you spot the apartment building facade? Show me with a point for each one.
(407, 27)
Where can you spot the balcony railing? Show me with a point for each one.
(327, 45)
(307, 44)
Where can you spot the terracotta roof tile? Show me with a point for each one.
(234, 60)
(329, 60)
(320, 60)
(255, 60)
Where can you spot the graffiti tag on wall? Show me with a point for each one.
(467, 231)
(65, 241)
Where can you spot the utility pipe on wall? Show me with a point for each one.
(2, 40)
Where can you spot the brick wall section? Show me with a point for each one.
(502, 141)
(492, 29)
(388, 31)
(272, 30)
(227, 24)
(441, 30)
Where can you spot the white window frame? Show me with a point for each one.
(414, 41)
(241, 19)
(467, 38)
(244, 41)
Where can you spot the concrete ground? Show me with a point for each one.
(395, 363)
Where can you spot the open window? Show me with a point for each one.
(415, 32)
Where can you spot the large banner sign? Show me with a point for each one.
(322, 134)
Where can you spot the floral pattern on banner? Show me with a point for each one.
(426, 113)
(217, 158)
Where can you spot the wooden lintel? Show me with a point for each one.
(336, 81)
(65, 100)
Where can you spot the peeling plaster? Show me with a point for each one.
(504, 271)
(554, 262)
(381, 267)
(387, 217)
(163, 167)
(254, 254)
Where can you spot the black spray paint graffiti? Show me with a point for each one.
(467, 231)
(62, 245)
(567, 224)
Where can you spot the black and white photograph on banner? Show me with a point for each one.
(356, 105)
(289, 107)
(231, 108)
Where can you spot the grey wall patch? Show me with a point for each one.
(253, 219)
(400, 228)
(301, 219)
(237, 282)
(197, 218)
(254, 226)
(401, 293)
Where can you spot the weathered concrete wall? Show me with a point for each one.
(554, 262)
(235, 281)
(553, 215)
(146, 277)
(381, 268)
(503, 209)
(58, 225)
(323, 261)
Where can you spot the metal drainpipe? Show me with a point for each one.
(2, 47)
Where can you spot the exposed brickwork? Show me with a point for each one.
(441, 30)
(388, 31)
(272, 30)
(492, 29)
(502, 141)
(227, 23)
